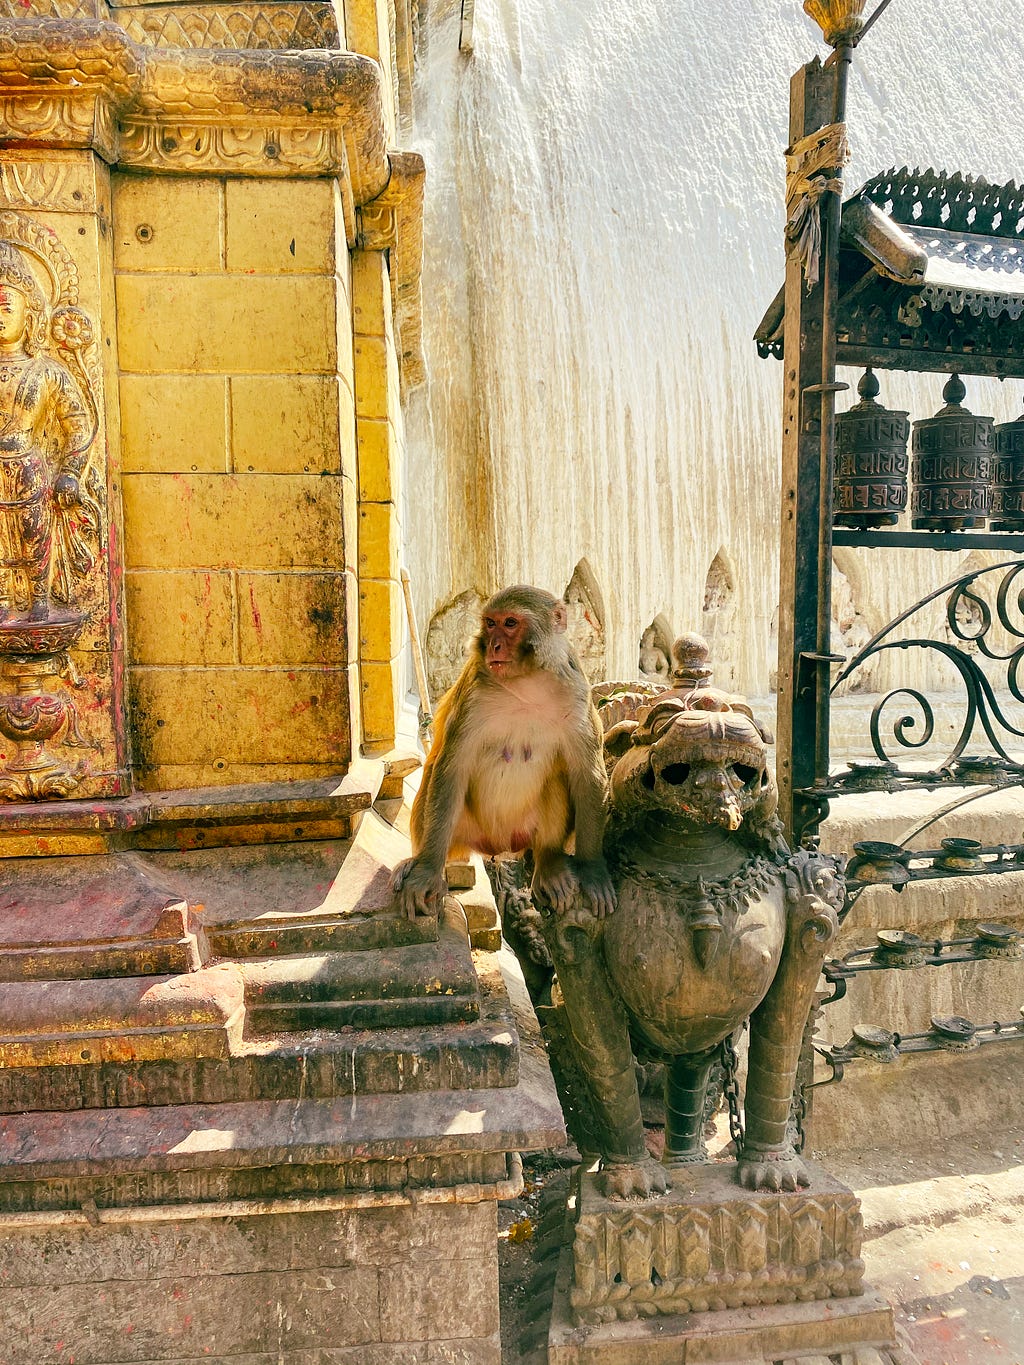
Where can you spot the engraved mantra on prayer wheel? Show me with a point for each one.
(952, 466)
(870, 461)
(1008, 477)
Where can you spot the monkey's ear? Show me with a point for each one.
(559, 617)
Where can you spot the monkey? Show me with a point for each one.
(516, 763)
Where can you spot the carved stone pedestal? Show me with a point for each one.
(713, 1272)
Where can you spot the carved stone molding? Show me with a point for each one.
(393, 222)
(195, 148)
(711, 1247)
(64, 82)
(85, 83)
(56, 9)
(275, 26)
(60, 183)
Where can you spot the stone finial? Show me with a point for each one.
(691, 666)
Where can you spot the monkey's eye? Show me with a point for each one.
(510, 623)
(488, 623)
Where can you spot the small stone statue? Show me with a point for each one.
(653, 659)
(716, 923)
(47, 520)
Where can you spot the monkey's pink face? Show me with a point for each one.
(504, 640)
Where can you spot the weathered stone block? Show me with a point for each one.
(250, 324)
(371, 374)
(344, 352)
(287, 425)
(378, 460)
(487, 1352)
(279, 227)
(179, 617)
(352, 615)
(378, 540)
(191, 1316)
(387, 1237)
(435, 1301)
(71, 917)
(347, 424)
(174, 423)
(381, 619)
(237, 716)
(167, 224)
(371, 294)
(380, 693)
(218, 773)
(252, 521)
(413, 1061)
(132, 1019)
(441, 1234)
(349, 525)
(742, 1336)
(424, 983)
(292, 618)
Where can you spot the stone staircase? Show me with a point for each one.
(220, 1015)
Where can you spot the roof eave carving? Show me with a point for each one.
(85, 83)
(931, 276)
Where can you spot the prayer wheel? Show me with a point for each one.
(870, 461)
(1008, 477)
(952, 466)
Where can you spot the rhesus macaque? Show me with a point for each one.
(515, 764)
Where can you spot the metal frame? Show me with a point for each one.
(809, 316)
(810, 320)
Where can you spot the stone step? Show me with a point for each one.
(121, 1019)
(70, 918)
(483, 1053)
(199, 817)
(420, 983)
(273, 1148)
(328, 895)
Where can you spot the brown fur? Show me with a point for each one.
(516, 762)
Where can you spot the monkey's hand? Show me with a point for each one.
(554, 883)
(596, 887)
(418, 889)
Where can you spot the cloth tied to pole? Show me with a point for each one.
(813, 169)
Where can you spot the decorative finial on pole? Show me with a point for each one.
(840, 21)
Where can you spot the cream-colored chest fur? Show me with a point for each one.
(516, 745)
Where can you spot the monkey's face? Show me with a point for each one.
(506, 643)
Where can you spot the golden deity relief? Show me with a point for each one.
(49, 516)
(48, 522)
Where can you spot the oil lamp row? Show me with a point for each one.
(966, 470)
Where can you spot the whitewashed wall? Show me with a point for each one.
(603, 233)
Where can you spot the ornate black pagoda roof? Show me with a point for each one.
(931, 276)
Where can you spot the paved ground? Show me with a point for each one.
(945, 1244)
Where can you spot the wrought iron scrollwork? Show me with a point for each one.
(978, 636)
